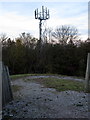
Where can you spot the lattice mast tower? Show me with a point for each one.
(41, 15)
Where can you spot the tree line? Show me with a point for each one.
(66, 56)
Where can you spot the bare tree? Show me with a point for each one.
(47, 35)
(3, 37)
(28, 40)
(65, 34)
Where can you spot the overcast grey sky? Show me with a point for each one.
(17, 17)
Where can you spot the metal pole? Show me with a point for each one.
(40, 32)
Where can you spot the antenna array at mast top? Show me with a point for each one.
(43, 14)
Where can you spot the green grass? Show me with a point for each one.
(16, 88)
(26, 75)
(19, 76)
(60, 84)
(13, 77)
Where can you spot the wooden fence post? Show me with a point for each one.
(0, 90)
(87, 77)
(6, 86)
(0, 80)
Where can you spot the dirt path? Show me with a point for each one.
(33, 100)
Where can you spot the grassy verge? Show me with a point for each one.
(19, 76)
(60, 84)
(13, 77)
(26, 75)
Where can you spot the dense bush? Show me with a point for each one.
(24, 55)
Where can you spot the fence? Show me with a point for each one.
(6, 86)
(87, 77)
(0, 90)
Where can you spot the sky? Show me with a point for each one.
(18, 17)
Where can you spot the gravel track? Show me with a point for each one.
(59, 77)
(33, 100)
